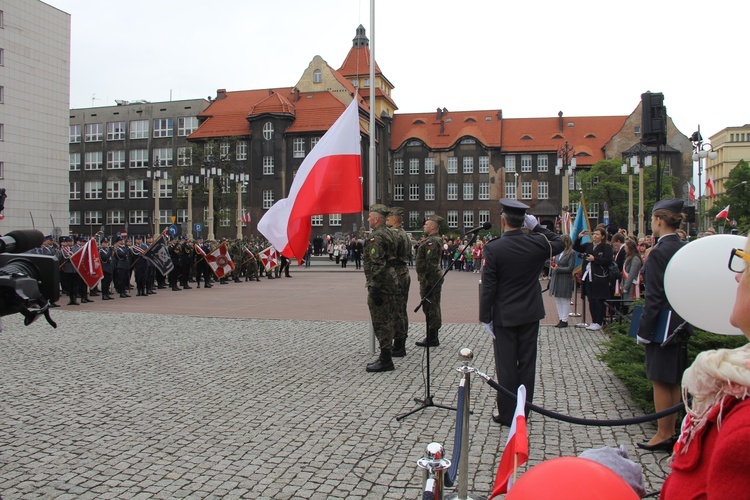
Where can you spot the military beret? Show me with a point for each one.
(379, 208)
(435, 218)
(397, 212)
(513, 206)
(669, 204)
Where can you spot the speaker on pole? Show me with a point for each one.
(690, 215)
(653, 119)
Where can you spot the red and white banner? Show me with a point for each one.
(219, 261)
(270, 258)
(516, 450)
(710, 187)
(87, 263)
(724, 214)
(329, 181)
(246, 217)
(692, 192)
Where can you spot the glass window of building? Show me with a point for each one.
(94, 132)
(92, 190)
(75, 218)
(115, 216)
(542, 188)
(452, 190)
(165, 216)
(452, 165)
(398, 192)
(268, 131)
(413, 192)
(163, 157)
(484, 164)
(139, 129)
(185, 157)
(510, 163)
(317, 76)
(316, 220)
(593, 209)
(542, 163)
(510, 191)
(452, 218)
(116, 131)
(116, 190)
(138, 217)
(138, 158)
(398, 167)
(75, 161)
(92, 217)
(241, 151)
(186, 125)
(414, 166)
(468, 218)
(75, 134)
(414, 221)
(267, 198)
(468, 165)
(163, 127)
(75, 191)
(138, 189)
(225, 217)
(268, 166)
(429, 166)
(165, 188)
(334, 219)
(115, 159)
(525, 163)
(224, 149)
(484, 191)
(526, 190)
(429, 191)
(468, 191)
(181, 215)
(93, 160)
(298, 147)
(314, 142)
(484, 216)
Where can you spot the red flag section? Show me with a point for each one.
(516, 450)
(87, 263)
(270, 258)
(710, 187)
(329, 181)
(220, 261)
(692, 192)
(724, 214)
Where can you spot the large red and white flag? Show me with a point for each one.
(516, 450)
(710, 187)
(724, 214)
(270, 258)
(329, 181)
(87, 263)
(219, 261)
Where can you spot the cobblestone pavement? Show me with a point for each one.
(116, 404)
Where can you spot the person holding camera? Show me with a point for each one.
(597, 256)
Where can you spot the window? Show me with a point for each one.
(93, 161)
(484, 216)
(115, 190)
(542, 190)
(92, 217)
(429, 191)
(413, 192)
(163, 127)
(181, 215)
(75, 218)
(468, 218)
(367, 82)
(138, 189)
(75, 191)
(225, 217)
(427, 213)
(468, 165)
(298, 148)
(453, 190)
(115, 159)
(185, 157)
(542, 163)
(334, 220)
(92, 190)
(398, 192)
(116, 216)
(398, 167)
(510, 163)
(165, 216)
(75, 161)
(468, 191)
(116, 131)
(224, 149)
(2, 93)
(268, 131)
(593, 209)
(314, 142)
(526, 190)
(316, 220)
(186, 125)
(452, 218)
(484, 164)
(139, 129)
(525, 163)
(75, 133)
(268, 165)
(429, 166)
(138, 217)
(267, 198)
(165, 189)
(208, 151)
(510, 191)
(241, 150)
(317, 76)
(414, 221)
(94, 132)
(138, 158)
(163, 157)
(414, 166)
(453, 166)
(484, 191)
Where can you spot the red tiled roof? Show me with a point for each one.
(457, 124)
(357, 63)
(274, 103)
(316, 112)
(365, 93)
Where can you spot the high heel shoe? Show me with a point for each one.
(665, 445)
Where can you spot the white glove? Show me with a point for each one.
(530, 221)
(489, 329)
(641, 340)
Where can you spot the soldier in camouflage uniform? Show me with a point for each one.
(400, 263)
(236, 253)
(429, 274)
(382, 285)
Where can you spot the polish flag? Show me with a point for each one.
(246, 218)
(724, 214)
(270, 258)
(87, 263)
(710, 187)
(516, 448)
(692, 192)
(329, 181)
(219, 261)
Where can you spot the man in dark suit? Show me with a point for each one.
(510, 304)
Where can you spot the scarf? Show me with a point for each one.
(713, 377)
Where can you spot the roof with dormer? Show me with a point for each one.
(443, 129)
(274, 104)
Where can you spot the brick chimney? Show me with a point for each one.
(221, 94)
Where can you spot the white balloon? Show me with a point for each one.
(699, 285)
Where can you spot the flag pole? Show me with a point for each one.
(371, 192)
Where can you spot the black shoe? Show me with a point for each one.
(176, 289)
(106, 297)
(665, 445)
(86, 300)
(187, 287)
(208, 286)
(562, 324)
(399, 348)
(498, 420)
(93, 293)
(288, 275)
(431, 341)
(161, 287)
(384, 363)
(151, 292)
(73, 303)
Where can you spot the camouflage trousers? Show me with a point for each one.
(433, 315)
(382, 305)
(401, 315)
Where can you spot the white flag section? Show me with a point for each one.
(516, 450)
(329, 181)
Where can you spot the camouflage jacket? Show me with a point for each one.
(428, 258)
(402, 246)
(379, 250)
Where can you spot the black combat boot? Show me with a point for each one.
(431, 340)
(384, 363)
(399, 348)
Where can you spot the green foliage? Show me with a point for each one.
(737, 195)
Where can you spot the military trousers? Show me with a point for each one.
(433, 315)
(382, 309)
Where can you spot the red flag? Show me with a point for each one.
(516, 448)
(220, 261)
(724, 214)
(329, 181)
(270, 258)
(692, 192)
(246, 218)
(87, 263)
(710, 187)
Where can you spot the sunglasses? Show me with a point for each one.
(738, 260)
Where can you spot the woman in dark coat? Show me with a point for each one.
(561, 281)
(597, 258)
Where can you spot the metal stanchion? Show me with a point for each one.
(575, 312)
(433, 467)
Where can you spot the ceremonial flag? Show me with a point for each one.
(692, 192)
(250, 254)
(270, 258)
(246, 217)
(86, 261)
(724, 214)
(329, 181)
(219, 261)
(516, 450)
(158, 255)
(200, 250)
(581, 223)
(710, 187)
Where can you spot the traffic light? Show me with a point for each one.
(653, 119)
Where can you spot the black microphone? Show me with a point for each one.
(21, 241)
(483, 227)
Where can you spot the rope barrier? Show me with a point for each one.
(452, 472)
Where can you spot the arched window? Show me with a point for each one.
(317, 76)
(268, 131)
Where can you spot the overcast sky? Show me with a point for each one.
(530, 59)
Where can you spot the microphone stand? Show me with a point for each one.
(425, 303)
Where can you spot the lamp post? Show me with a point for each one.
(242, 180)
(634, 159)
(701, 151)
(157, 175)
(189, 180)
(566, 165)
(208, 174)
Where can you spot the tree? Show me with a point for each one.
(736, 195)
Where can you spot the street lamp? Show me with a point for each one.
(157, 175)
(189, 180)
(242, 180)
(634, 159)
(701, 151)
(566, 165)
(208, 174)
